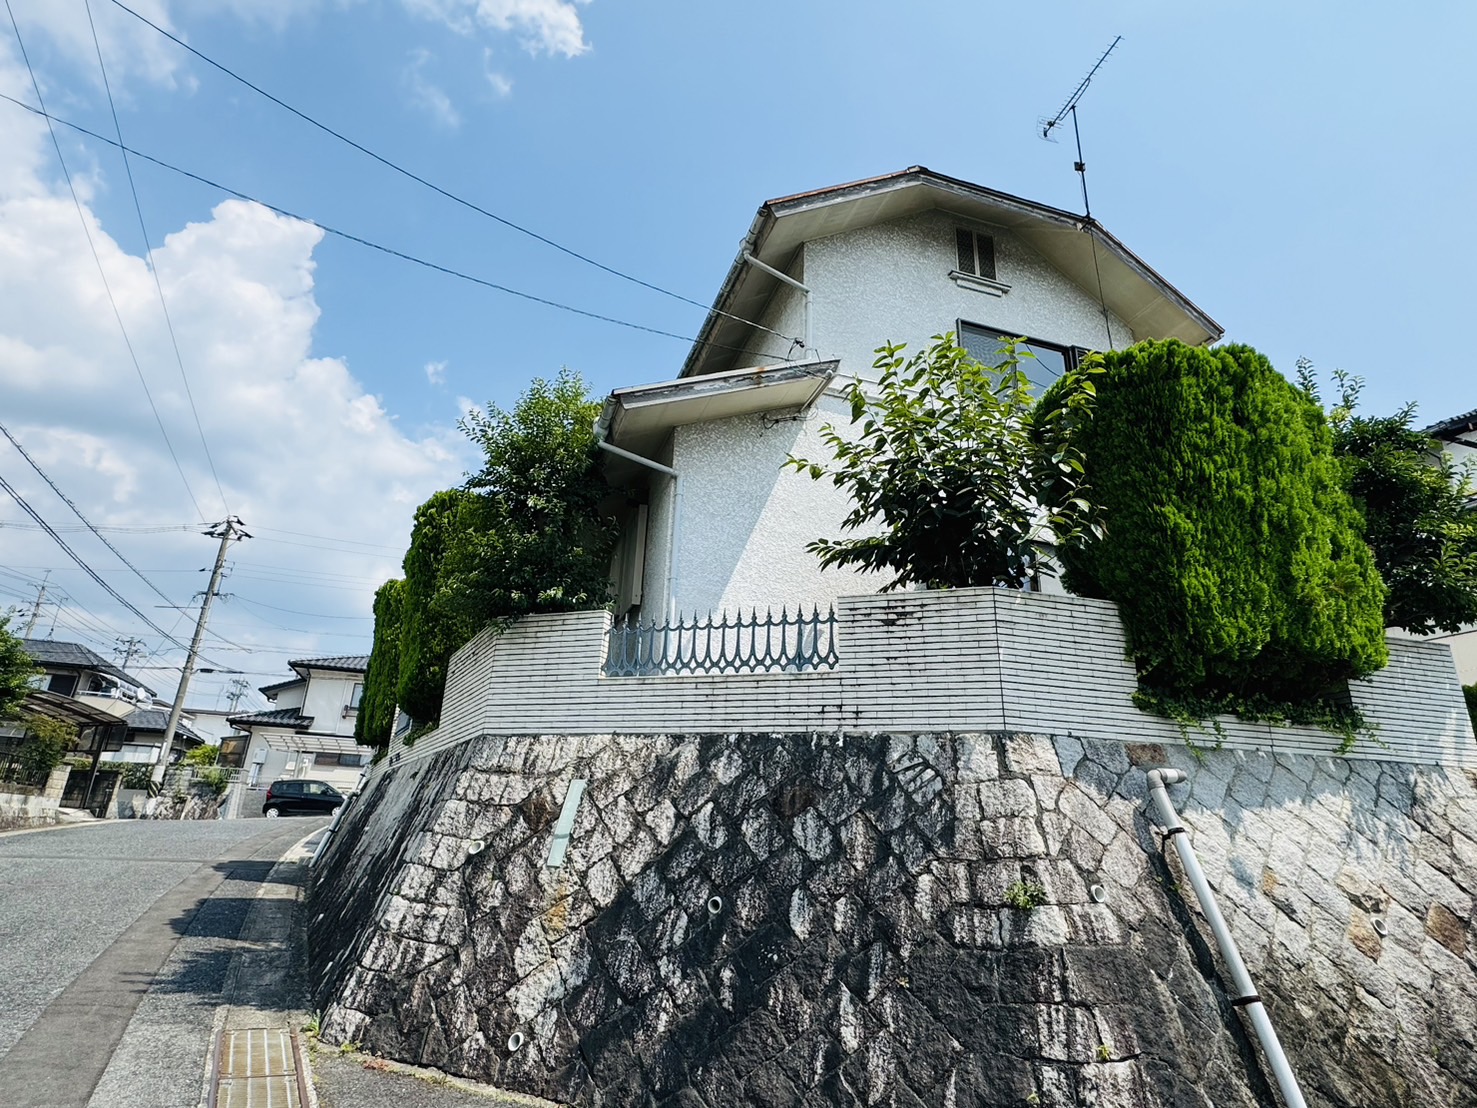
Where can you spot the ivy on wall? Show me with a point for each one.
(1230, 543)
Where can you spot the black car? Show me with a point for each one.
(301, 798)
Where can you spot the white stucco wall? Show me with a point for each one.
(327, 697)
(890, 283)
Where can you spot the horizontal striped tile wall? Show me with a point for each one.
(961, 660)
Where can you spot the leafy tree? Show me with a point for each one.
(1416, 504)
(430, 632)
(945, 466)
(1233, 551)
(536, 539)
(46, 744)
(376, 719)
(16, 670)
(205, 755)
(1470, 692)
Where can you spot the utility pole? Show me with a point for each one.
(128, 647)
(239, 685)
(227, 531)
(36, 609)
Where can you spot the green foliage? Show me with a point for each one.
(1415, 503)
(211, 781)
(206, 755)
(430, 633)
(524, 535)
(535, 540)
(946, 470)
(45, 746)
(376, 719)
(16, 670)
(136, 775)
(1025, 894)
(1470, 692)
(1231, 547)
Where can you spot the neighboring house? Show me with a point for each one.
(1459, 436)
(99, 691)
(837, 272)
(310, 730)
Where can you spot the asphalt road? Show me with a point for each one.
(115, 942)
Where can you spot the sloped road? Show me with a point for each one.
(127, 926)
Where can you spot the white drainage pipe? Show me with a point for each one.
(1246, 997)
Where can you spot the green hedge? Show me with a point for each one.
(1470, 692)
(1231, 547)
(429, 633)
(375, 722)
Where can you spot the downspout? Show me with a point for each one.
(602, 427)
(1246, 997)
(787, 279)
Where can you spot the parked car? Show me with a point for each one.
(300, 797)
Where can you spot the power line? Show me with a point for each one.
(294, 611)
(455, 198)
(92, 246)
(369, 243)
(149, 258)
(107, 588)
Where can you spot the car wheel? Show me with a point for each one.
(272, 813)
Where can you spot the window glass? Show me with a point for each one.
(984, 345)
(355, 695)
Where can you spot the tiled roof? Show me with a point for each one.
(271, 690)
(282, 717)
(351, 663)
(76, 656)
(1456, 425)
(156, 719)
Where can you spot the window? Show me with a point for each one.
(1049, 360)
(976, 253)
(355, 696)
(63, 683)
(354, 760)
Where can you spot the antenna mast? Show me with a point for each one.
(1070, 108)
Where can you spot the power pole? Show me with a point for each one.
(227, 531)
(128, 647)
(239, 685)
(36, 609)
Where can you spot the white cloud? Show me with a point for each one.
(436, 373)
(542, 26)
(427, 95)
(130, 47)
(301, 448)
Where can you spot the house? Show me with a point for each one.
(308, 733)
(821, 280)
(1459, 437)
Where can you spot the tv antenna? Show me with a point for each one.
(1070, 108)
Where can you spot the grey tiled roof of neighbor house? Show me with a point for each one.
(155, 719)
(76, 656)
(282, 717)
(352, 663)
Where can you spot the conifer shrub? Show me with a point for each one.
(1470, 692)
(376, 719)
(429, 632)
(1230, 545)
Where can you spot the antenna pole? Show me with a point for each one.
(1080, 166)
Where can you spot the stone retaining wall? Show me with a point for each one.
(827, 919)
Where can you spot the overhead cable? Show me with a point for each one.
(92, 246)
(455, 198)
(391, 251)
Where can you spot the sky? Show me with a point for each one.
(1296, 170)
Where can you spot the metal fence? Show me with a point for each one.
(728, 644)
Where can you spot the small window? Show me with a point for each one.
(976, 253)
(353, 760)
(355, 696)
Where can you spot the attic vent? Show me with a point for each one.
(976, 253)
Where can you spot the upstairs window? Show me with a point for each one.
(355, 697)
(976, 253)
(1049, 360)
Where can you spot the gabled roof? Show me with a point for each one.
(1454, 428)
(348, 663)
(282, 717)
(155, 719)
(270, 691)
(1075, 245)
(73, 655)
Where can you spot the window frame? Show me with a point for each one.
(1072, 355)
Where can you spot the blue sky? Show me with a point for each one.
(1298, 171)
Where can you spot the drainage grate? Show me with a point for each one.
(256, 1068)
